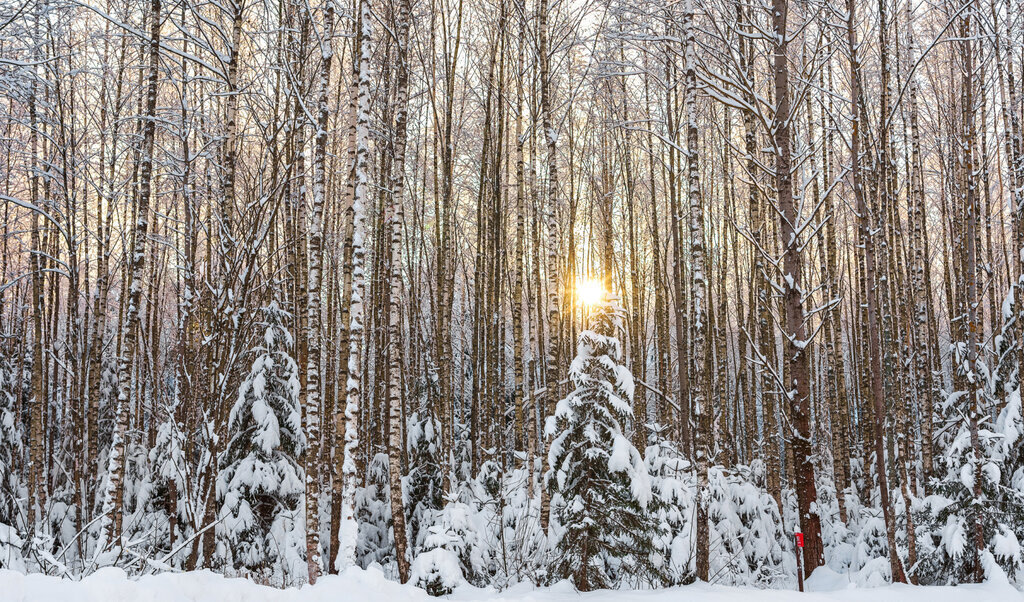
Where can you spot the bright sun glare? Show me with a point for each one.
(590, 292)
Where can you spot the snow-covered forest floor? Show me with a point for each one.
(113, 585)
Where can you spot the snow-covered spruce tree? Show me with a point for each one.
(1007, 545)
(599, 484)
(520, 538)
(747, 537)
(463, 543)
(1009, 433)
(869, 559)
(145, 523)
(10, 444)
(423, 488)
(374, 542)
(457, 548)
(10, 448)
(260, 486)
(437, 569)
(989, 460)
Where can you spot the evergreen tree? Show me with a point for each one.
(374, 542)
(955, 509)
(520, 539)
(163, 499)
(260, 487)
(423, 483)
(748, 540)
(599, 485)
(10, 444)
(10, 447)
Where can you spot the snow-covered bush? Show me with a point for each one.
(672, 509)
(455, 550)
(748, 544)
(10, 549)
(945, 521)
(519, 539)
(989, 460)
(169, 473)
(437, 570)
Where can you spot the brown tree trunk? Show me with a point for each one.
(797, 345)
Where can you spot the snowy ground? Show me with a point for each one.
(111, 585)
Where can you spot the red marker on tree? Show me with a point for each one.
(799, 560)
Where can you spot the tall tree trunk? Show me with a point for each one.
(395, 439)
(311, 401)
(113, 497)
(972, 376)
(349, 530)
(700, 393)
(519, 345)
(797, 344)
(554, 323)
(37, 403)
(837, 383)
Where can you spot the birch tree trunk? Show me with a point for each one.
(395, 439)
(554, 323)
(972, 375)
(37, 403)
(700, 393)
(349, 530)
(311, 394)
(113, 496)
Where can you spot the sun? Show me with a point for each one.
(590, 292)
